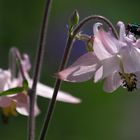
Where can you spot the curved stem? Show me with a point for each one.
(57, 85)
(94, 17)
(37, 69)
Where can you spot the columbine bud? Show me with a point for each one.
(74, 19)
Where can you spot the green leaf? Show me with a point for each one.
(25, 84)
(11, 91)
(16, 90)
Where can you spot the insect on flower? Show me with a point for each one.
(116, 61)
(133, 28)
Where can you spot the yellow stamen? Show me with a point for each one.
(129, 79)
(10, 110)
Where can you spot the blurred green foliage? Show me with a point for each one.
(100, 116)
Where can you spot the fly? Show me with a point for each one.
(133, 28)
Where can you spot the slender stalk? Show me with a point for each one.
(37, 69)
(14, 55)
(57, 85)
(12, 65)
(95, 17)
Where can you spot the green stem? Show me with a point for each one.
(37, 69)
(65, 58)
(14, 55)
(57, 86)
(95, 17)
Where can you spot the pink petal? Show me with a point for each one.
(110, 65)
(105, 45)
(98, 74)
(20, 98)
(47, 92)
(137, 44)
(122, 33)
(5, 101)
(26, 63)
(130, 59)
(100, 50)
(82, 70)
(110, 42)
(4, 78)
(22, 104)
(24, 109)
(112, 82)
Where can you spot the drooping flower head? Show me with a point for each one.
(119, 57)
(19, 102)
(116, 61)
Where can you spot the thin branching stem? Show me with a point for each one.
(14, 55)
(95, 17)
(56, 88)
(69, 44)
(37, 69)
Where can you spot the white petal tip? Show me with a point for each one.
(120, 23)
(47, 92)
(67, 98)
(96, 27)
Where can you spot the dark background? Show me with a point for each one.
(100, 116)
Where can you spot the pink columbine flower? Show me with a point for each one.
(82, 70)
(119, 57)
(20, 101)
(114, 60)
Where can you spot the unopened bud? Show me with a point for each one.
(74, 19)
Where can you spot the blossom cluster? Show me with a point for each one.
(11, 104)
(114, 60)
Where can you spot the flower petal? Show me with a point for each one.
(122, 33)
(24, 109)
(26, 63)
(110, 43)
(99, 49)
(82, 70)
(5, 101)
(98, 74)
(110, 65)
(112, 82)
(137, 44)
(105, 44)
(130, 59)
(5, 76)
(22, 105)
(47, 92)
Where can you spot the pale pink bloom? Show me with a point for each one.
(21, 100)
(113, 60)
(82, 69)
(119, 58)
